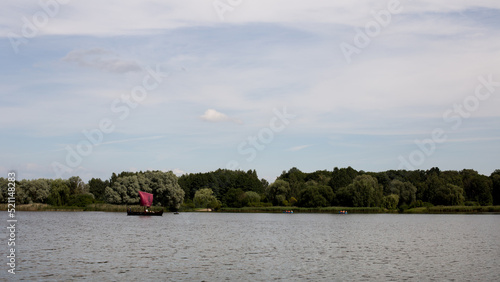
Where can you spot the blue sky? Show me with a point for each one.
(264, 85)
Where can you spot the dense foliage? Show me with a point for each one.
(230, 187)
(120, 189)
(204, 198)
(392, 189)
(124, 188)
(346, 187)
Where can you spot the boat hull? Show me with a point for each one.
(144, 213)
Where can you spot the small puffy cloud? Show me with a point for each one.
(215, 116)
(101, 59)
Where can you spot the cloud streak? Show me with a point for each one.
(131, 140)
(298, 148)
(101, 59)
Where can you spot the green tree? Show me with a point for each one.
(59, 193)
(163, 185)
(3, 192)
(327, 193)
(477, 187)
(451, 177)
(234, 198)
(81, 200)
(448, 195)
(405, 190)
(22, 196)
(111, 196)
(495, 180)
(97, 188)
(251, 197)
(214, 204)
(321, 177)
(310, 197)
(384, 180)
(391, 201)
(365, 191)
(428, 190)
(124, 190)
(456, 195)
(342, 177)
(279, 192)
(316, 196)
(221, 182)
(295, 179)
(344, 196)
(264, 183)
(77, 186)
(37, 190)
(204, 197)
(165, 188)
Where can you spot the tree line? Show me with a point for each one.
(390, 189)
(120, 189)
(344, 187)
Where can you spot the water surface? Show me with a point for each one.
(256, 247)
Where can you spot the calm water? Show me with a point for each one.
(255, 247)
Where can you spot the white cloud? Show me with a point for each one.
(215, 116)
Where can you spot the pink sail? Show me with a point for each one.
(146, 199)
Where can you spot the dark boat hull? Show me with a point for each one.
(144, 213)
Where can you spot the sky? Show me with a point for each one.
(89, 88)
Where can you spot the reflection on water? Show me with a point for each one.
(256, 247)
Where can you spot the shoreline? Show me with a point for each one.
(326, 210)
(374, 210)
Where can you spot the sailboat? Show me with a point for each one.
(146, 202)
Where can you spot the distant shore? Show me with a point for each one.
(123, 208)
(421, 210)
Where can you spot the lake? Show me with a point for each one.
(254, 247)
